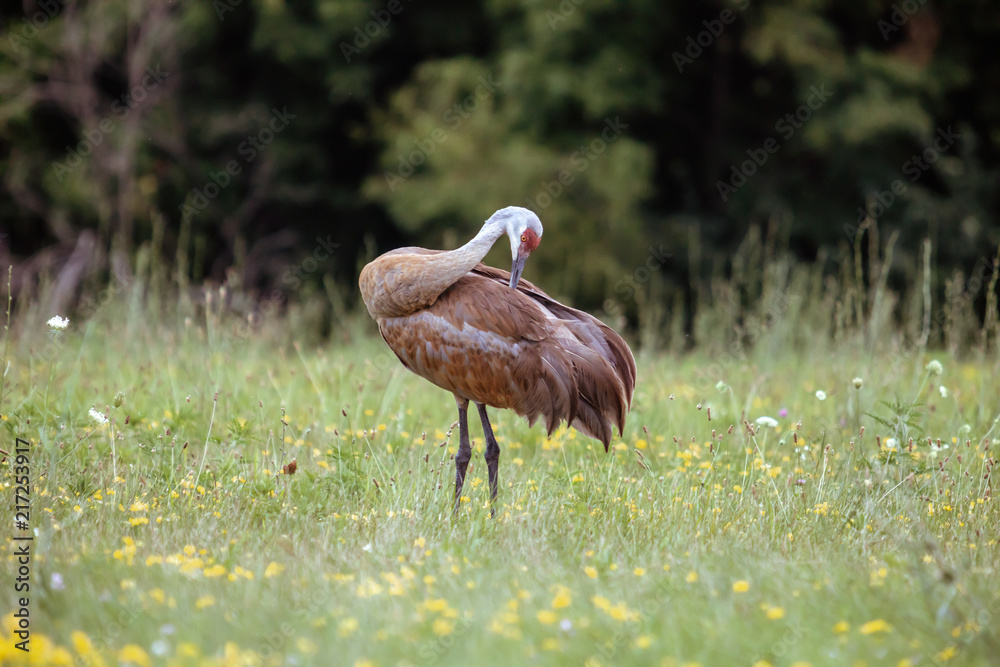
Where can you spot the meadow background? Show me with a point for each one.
(789, 209)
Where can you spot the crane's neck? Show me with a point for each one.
(452, 265)
(400, 283)
(476, 249)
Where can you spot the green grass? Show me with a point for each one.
(692, 541)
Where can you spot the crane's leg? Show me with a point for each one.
(492, 454)
(464, 449)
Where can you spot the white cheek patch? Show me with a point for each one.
(515, 245)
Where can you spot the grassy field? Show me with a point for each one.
(166, 533)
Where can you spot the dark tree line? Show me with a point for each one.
(235, 137)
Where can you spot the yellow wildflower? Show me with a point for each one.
(871, 627)
(133, 654)
(204, 601)
(347, 626)
(443, 627)
(547, 617)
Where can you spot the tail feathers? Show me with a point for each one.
(566, 385)
(554, 395)
(592, 424)
(624, 364)
(614, 352)
(602, 339)
(577, 385)
(608, 382)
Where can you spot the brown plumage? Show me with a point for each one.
(460, 325)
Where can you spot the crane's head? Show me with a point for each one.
(524, 230)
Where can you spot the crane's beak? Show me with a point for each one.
(515, 270)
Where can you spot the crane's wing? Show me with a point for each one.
(586, 327)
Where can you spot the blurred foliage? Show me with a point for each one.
(623, 124)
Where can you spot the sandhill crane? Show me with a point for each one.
(498, 341)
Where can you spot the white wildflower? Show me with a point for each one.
(98, 416)
(58, 323)
(858, 382)
(566, 625)
(891, 444)
(367, 547)
(934, 367)
(821, 395)
(721, 386)
(766, 421)
(943, 391)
